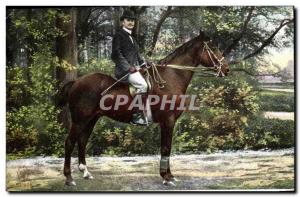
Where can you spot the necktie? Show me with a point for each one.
(131, 38)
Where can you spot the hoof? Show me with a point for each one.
(70, 183)
(173, 179)
(169, 183)
(88, 176)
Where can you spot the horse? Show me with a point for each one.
(83, 96)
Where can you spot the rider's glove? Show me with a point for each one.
(132, 69)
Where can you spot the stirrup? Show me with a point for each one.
(139, 120)
(138, 123)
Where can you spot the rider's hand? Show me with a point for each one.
(142, 70)
(132, 69)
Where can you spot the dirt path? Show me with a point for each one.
(279, 115)
(242, 170)
(279, 89)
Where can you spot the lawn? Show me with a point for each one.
(277, 100)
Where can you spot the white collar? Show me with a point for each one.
(127, 30)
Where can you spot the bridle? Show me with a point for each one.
(160, 81)
(217, 65)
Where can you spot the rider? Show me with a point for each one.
(128, 60)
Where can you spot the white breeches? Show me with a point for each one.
(137, 80)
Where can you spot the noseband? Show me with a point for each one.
(217, 65)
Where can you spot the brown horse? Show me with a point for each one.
(84, 94)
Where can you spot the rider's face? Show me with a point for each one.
(128, 23)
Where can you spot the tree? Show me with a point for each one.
(66, 51)
(66, 46)
(245, 32)
(163, 17)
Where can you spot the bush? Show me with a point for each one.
(33, 129)
(104, 65)
(221, 121)
(17, 87)
(269, 133)
(115, 138)
(21, 136)
(277, 101)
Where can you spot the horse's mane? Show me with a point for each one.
(183, 48)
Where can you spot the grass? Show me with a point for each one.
(243, 173)
(254, 184)
(287, 85)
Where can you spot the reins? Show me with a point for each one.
(157, 78)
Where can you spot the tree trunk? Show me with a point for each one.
(116, 17)
(66, 51)
(85, 51)
(66, 46)
(180, 25)
(163, 17)
(98, 50)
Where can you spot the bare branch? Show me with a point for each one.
(269, 40)
(266, 42)
(164, 16)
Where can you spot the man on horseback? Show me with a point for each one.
(128, 60)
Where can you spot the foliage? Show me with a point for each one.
(222, 124)
(33, 128)
(226, 119)
(18, 93)
(21, 136)
(277, 101)
(269, 133)
(104, 65)
(225, 24)
(114, 138)
(221, 121)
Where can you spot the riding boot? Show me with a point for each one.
(138, 117)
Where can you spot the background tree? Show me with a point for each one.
(48, 46)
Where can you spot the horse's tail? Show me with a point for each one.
(62, 96)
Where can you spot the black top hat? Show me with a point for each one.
(128, 14)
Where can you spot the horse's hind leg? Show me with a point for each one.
(69, 146)
(82, 142)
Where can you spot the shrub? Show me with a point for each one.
(221, 120)
(17, 87)
(277, 101)
(33, 129)
(104, 65)
(115, 138)
(269, 133)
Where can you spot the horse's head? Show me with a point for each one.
(210, 56)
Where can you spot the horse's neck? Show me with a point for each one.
(183, 76)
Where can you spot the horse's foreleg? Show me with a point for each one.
(166, 142)
(69, 146)
(82, 142)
